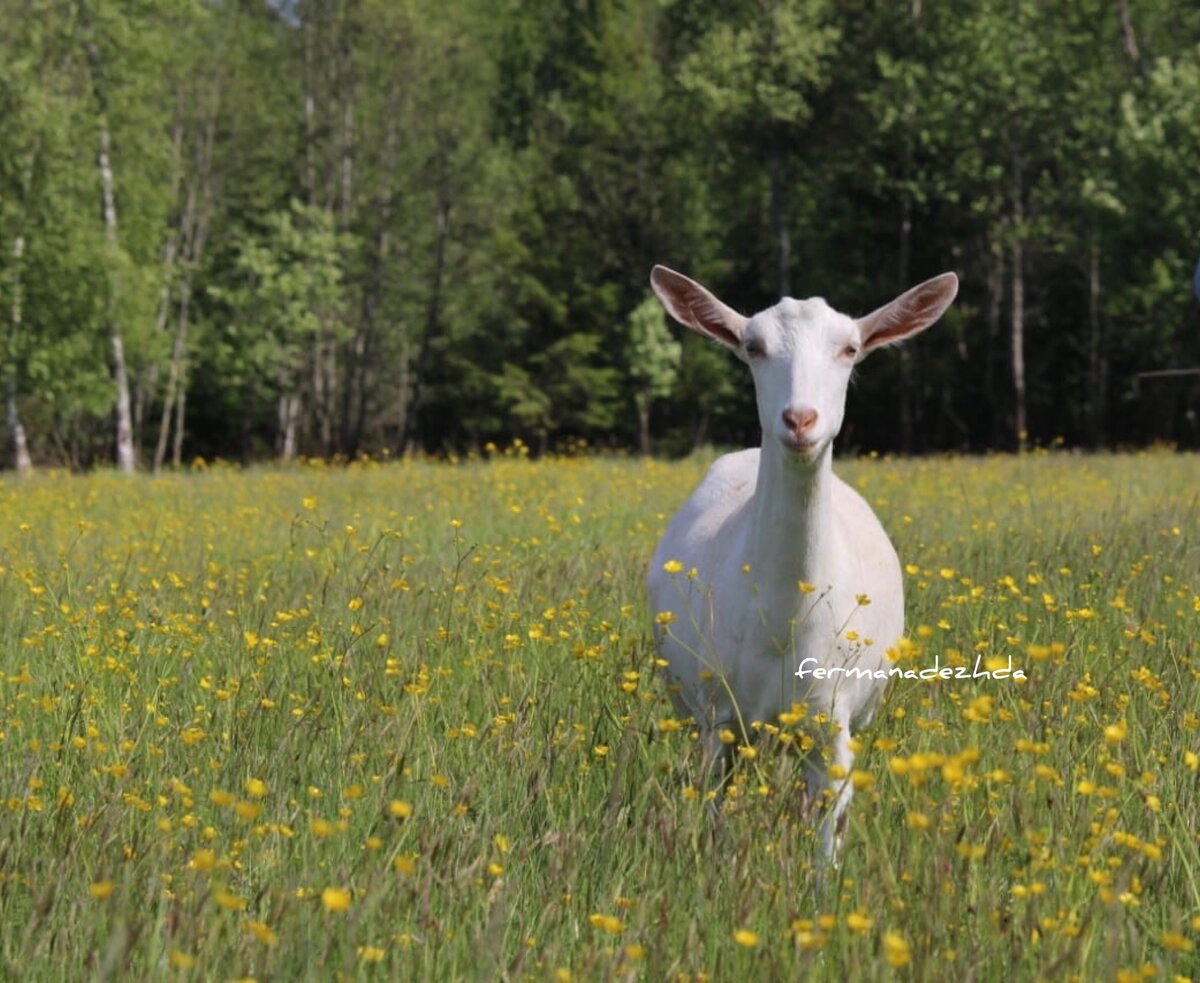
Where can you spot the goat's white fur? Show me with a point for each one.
(765, 521)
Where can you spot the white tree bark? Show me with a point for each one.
(180, 419)
(289, 416)
(192, 236)
(174, 378)
(12, 417)
(16, 430)
(126, 460)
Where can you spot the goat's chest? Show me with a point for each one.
(813, 647)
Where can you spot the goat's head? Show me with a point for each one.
(802, 352)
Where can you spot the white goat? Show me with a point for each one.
(775, 568)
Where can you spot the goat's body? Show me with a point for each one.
(747, 633)
(742, 626)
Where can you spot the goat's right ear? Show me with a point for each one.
(694, 307)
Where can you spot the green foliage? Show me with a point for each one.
(291, 292)
(1161, 136)
(759, 68)
(563, 390)
(652, 351)
(486, 188)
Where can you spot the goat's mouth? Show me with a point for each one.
(800, 446)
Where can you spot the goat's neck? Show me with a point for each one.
(791, 539)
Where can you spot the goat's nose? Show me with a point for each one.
(800, 421)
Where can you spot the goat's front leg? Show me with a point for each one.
(717, 765)
(829, 797)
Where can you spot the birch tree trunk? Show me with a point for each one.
(180, 420)
(1129, 37)
(147, 379)
(995, 305)
(126, 460)
(174, 379)
(192, 235)
(22, 463)
(1017, 313)
(289, 414)
(642, 402)
(12, 417)
(1097, 362)
(16, 430)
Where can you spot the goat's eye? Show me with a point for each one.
(850, 351)
(754, 348)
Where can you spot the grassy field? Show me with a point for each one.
(403, 721)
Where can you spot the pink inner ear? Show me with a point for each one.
(891, 324)
(911, 312)
(692, 305)
(708, 319)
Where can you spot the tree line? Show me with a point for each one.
(244, 229)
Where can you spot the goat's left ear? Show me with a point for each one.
(910, 313)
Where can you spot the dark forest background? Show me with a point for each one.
(327, 227)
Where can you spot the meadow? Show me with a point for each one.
(403, 721)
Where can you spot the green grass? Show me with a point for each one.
(226, 698)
